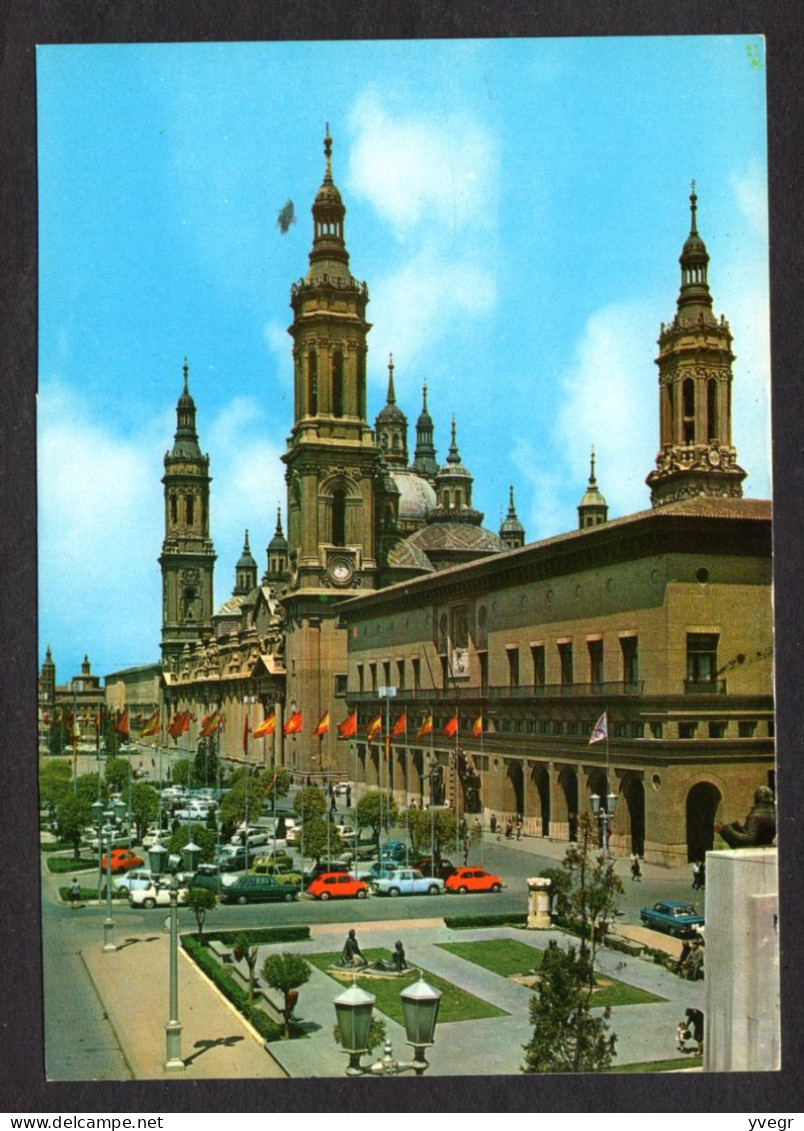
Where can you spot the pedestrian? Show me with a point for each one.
(519, 828)
(348, 797)
(74, 893)
(683, 1034)
(696, 868)
(695, 1020)
(493, 822)
(636, 869)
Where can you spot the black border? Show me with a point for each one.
(31, 22)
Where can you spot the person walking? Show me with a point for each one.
(74, 893)
(636, 869)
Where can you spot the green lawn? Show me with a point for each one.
(456, 1004)
(509, 956)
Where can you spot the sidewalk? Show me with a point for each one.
(216, 1041)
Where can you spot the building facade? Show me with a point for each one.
(388, 597)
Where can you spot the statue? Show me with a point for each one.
(397, 963)
(759, 829)
(352, 955)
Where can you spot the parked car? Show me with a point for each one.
(463, 880)
(135, 880)
(673, 917)
(395, 850)
(313, 871)
(269, 860)
(122, 860)
(256, 889)
(376, 871)
(209, 876)
(432, 867)
(337, 885)
(157, 895)
(407, 881)
(346, 832)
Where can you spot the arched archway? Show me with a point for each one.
(568, 792)
(541, 780)
(633, 814)
(514, 788)
(703, 802)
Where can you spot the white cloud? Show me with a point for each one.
(427, 170)
(749, 186)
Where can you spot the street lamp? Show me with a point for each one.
(604, 817)
(353, 1011)
(157, 858)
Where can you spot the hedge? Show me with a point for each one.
(224, 979)
(467, 922)
(261, 936)
(59, 864)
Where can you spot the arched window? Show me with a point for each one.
(361, 385)
(189, 509)
(174, 509)
(711, 409)
(337, 383)
(339, 518)
(312, 383)
(688, 394)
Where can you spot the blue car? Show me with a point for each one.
(395, 850)
(679, 919)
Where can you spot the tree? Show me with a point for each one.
(57, 736)
(90, 787)
(182, 772)
(376, 810)
(566, 1037)
(206, 841)
(144, 806)
(319, 837)
(286, 972)
(55, 780)
(200, 901)
(118, 771)
(590, 890)
(205, 765)
(310, 802)
(243, 948)
(432, 829)
(72, 817)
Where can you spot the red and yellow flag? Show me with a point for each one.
(477, 728)
(209, 724)
(451, 728)
(150, 726)
(266, 727)
(374, 728)
(348, 727)
(401, 725)
(294, 724)
(425, 728)
(323, 725)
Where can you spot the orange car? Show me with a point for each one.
(337, 885)
(123, 859)
(463, 880)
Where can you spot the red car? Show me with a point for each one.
(463, 880)
(123, 860)
(337, 885)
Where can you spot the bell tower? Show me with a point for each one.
(696, 455)
(332, 465)
(188, 556)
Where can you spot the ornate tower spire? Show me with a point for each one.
(696, 455)
(454, 489)
(512, 532)
(188, 557)
(592, 509)
(391, 426)
(277, 553)
(424, 457)
(245, 572)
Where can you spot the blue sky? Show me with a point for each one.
(517, 208)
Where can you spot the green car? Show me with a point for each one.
(257, 889)
(280, 872)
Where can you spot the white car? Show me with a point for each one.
(346, 832)
(407, 881)
(154, 896)
(136, 880)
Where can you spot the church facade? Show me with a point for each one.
(387, 604)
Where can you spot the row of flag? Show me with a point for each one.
(180, 723)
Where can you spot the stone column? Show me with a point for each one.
(539, 903)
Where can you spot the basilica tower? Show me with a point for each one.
(187, 560)
(696, 455)
(332, 463)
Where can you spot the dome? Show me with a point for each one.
(416, 495)
(511, 524)
(450, 543)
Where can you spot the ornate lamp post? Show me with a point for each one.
(353, 1011)
(113, 815)
(604, 817)
(157, 857)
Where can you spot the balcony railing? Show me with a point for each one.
(704, 687)
(521, 693)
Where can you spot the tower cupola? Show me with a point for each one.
(277, 553)
(424, 457)
(246, 571)
(512, 532)
(454, 489)
(593, 509)
(391, 426)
